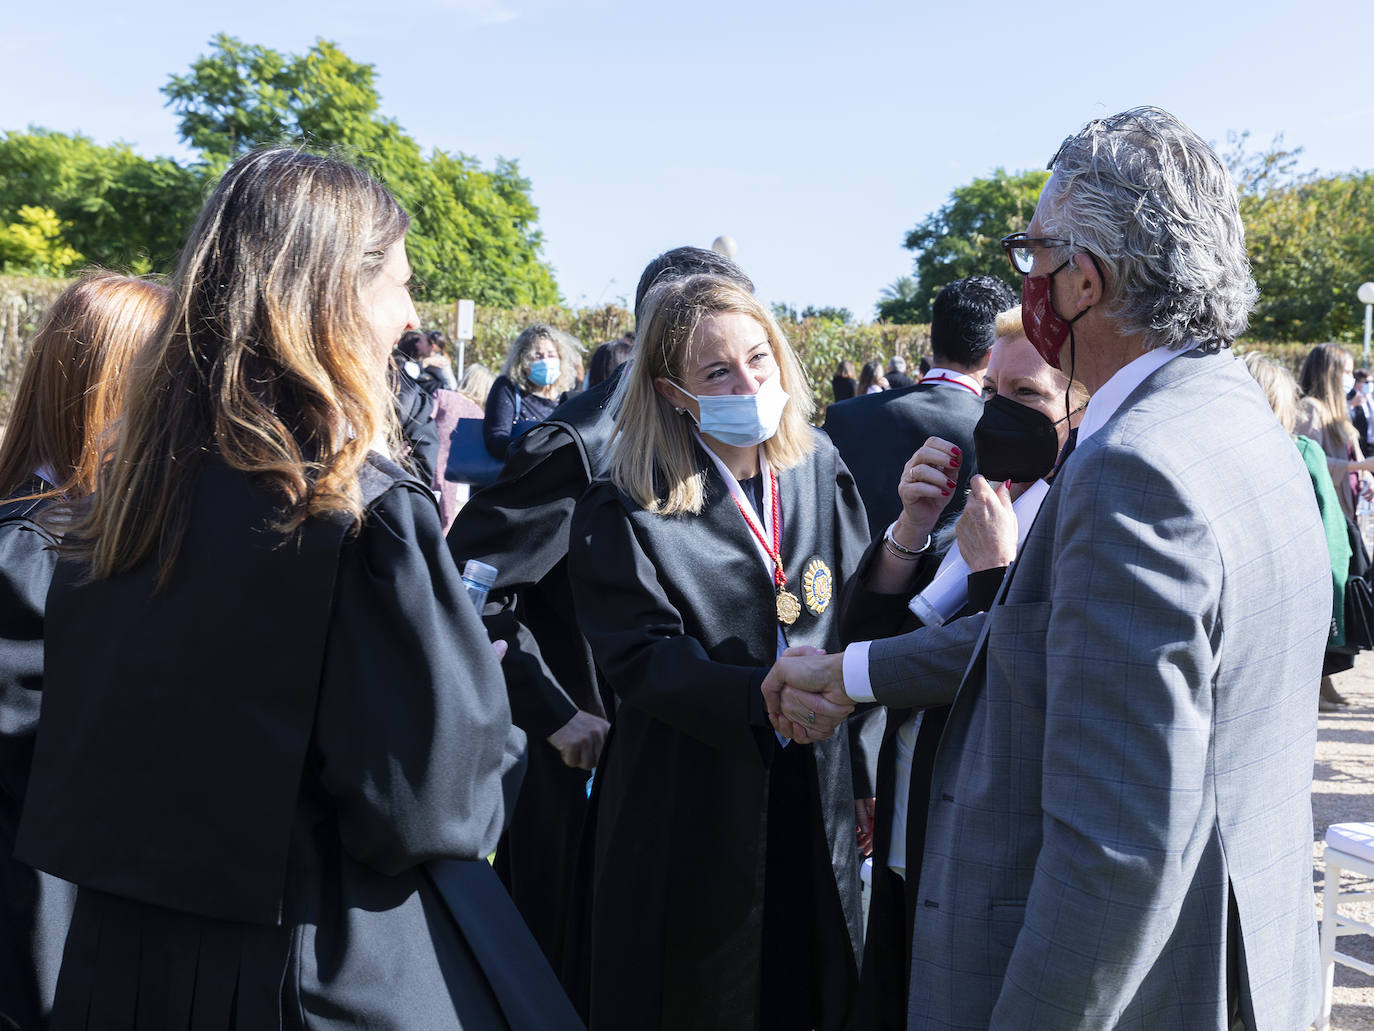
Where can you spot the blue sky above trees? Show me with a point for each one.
(816, 135)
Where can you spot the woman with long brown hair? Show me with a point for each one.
(1323, 416)
(71, 391)
(269, 703)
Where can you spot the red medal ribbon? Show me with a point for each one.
(774, 552)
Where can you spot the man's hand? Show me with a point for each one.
(987, 528)
(804, 694)
(579, 741)
(499, 647)
(864, 808)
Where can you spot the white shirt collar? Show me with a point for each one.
(1109, 397)
(950, 378)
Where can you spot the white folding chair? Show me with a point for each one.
(1349, 846)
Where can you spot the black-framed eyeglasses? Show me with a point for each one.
(1021, 249)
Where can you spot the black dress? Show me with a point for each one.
(35, 908)
(699, 815)
(256, 850)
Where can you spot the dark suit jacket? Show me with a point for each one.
(877, 433)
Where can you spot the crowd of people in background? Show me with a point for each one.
(301, 622)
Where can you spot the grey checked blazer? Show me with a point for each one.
(1134, 733)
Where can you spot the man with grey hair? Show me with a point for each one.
(896, 374)
(1120, 826)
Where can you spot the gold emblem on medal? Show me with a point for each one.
(789, 608)
(817, 586)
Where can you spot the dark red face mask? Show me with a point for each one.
(1044, 327)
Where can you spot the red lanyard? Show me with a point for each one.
(951, 379)
(775, 552)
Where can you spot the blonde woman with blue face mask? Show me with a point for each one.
(532, 383)
(725, 888)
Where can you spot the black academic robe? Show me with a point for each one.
(681, 616)
(519, 524)
(258, 848)
(35, 908)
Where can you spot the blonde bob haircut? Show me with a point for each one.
(266, 359)
(1009, 324)
(653, 455)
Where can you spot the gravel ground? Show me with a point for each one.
(1343, 792)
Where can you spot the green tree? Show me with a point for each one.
(1310, 239)
(474, 231)
(963, 237)
(35, 243)
(828, 313)
(120, 210)
(899, 302)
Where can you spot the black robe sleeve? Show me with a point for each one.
(519, 524)
(639, 639)
(413, 736)
(35, 909)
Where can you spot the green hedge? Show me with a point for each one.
(820, 344)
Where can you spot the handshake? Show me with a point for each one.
(804, 694)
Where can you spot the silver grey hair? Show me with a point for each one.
(1156, 208)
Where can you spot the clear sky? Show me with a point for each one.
(814, 134)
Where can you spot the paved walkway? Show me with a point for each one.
(1343, 792)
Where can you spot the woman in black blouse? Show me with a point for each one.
(532, 383)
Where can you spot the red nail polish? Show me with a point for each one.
(950, 484)
(954, 463)
(954, 450)
(1007, 484)
(945, 493)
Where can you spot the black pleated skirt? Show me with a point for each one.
(132, 965)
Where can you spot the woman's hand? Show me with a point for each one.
(926, 489)
(987, 527)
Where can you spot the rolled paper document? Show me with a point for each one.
(946, 595)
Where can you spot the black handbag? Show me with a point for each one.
(1359, 595)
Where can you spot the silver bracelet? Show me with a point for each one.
(900, 551)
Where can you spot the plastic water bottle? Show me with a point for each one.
(478, 578)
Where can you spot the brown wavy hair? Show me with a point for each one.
(72, 389)
(266, 359)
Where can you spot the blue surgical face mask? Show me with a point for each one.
(545, 371)
(742, 420)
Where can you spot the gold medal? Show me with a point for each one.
(789, 608)
(817, 586)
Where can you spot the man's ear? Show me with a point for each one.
(1089, 287)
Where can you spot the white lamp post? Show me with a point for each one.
(1366, 295)
(725, 245)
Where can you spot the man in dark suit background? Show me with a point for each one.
(876, 434)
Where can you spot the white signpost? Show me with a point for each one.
(462, 332)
